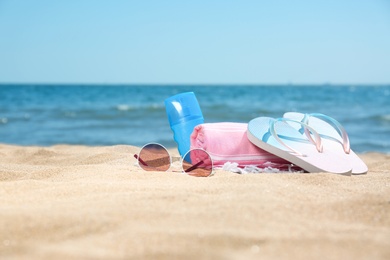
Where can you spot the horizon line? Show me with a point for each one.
(190, 84)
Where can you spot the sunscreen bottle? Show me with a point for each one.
(184, 114)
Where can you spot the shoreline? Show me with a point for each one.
(74, 201)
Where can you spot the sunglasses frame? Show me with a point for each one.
(181, 159)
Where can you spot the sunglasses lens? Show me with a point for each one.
(154, 157)
(197, 162)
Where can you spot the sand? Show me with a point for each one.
(66, 201)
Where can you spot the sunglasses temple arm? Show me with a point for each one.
(194, 167)
(140, 160)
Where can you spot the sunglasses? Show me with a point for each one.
(155, 157)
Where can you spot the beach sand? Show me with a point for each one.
(67, 201)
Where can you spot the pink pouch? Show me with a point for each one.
(228, 142)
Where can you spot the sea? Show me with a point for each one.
(96, 115)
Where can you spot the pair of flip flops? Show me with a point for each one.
(314, 142)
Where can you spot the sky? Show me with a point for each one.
(195, 42)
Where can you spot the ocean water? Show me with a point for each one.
(135, 114)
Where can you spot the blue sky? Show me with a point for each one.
(195, 42)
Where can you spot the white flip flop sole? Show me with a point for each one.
(331, 133)
(292, 146)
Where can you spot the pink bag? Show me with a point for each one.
(228, 142)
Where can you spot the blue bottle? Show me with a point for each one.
(184, 114)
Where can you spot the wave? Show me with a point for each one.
(147, 107)
(385, 118)
(125, 107)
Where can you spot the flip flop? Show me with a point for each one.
(278, 137)
(333, 135)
